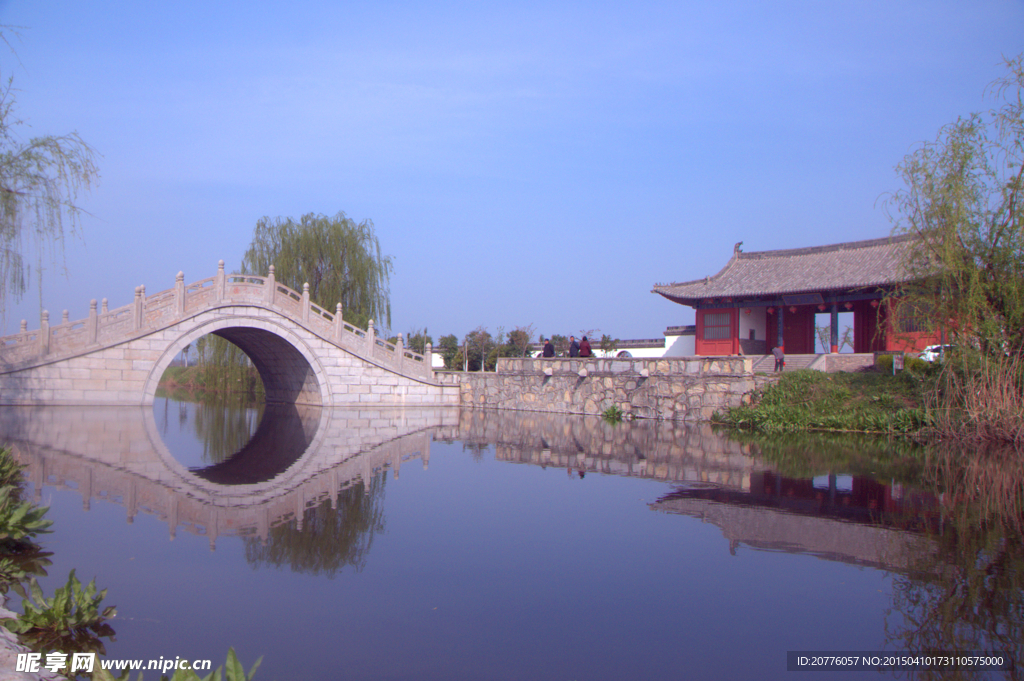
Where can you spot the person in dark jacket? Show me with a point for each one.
(574, 347)
(585, 350)
(780, 358)
(549, 349)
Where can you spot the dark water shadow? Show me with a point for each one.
(284, 433)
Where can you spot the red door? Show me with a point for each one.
(718, 331)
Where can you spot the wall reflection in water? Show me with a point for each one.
(307, 493)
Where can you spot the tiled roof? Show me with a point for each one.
(850, 265)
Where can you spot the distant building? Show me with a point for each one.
(770, 298)
(678, 342)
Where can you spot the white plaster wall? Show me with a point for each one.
(756, 320)
(681, 346)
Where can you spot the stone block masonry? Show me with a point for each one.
(684, 389)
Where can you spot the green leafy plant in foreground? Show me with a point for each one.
(20, 520)
(231, 671)
(71, 621)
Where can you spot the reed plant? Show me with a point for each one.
(980, 399)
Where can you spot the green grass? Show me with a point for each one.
(869, 402)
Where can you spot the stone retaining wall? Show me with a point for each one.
(688, 389)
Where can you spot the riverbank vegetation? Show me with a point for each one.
(863, 402)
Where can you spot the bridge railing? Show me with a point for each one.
(103, 326)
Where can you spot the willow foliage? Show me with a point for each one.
(40, 180)
(963, 197)
(340, 259)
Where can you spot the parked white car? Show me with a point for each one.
(933, 352)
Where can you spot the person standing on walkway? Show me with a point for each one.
(549, 349)
(585, 350)
(574, 347)
(780, 358)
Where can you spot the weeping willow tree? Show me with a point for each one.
(40, 181)
(963, 198)
(340, 259)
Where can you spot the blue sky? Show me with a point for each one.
(529, 163)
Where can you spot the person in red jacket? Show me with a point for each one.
(585, 350)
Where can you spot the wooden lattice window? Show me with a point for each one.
(717, 325)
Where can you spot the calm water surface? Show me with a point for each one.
(447, 544)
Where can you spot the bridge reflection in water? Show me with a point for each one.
(301, 458)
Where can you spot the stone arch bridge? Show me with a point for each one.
(304, 353)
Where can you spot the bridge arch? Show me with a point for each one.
(290, 370)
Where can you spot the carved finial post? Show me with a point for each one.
(428, 360)
(220, 282)
(140, 307)
(93, 322)
(179, 294)
(400, 351)
(271, 286)
(103, 307)
(44, 333)
(371, 339)
(305, 302)
(339, 323)
(65, 317)
(24, 325)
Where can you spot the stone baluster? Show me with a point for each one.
(104, 309)
(140, 307)
(179, 294)
(400, 353)
(24, 325)
(65, 317)
(271, 287)
(220, 282)
(428, 369)
(371, 340)
(339, 324)
(305, 302)
(44, 333)
(93, 322)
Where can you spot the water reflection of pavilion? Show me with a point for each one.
(850, 519)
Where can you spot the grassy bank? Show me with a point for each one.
(867, 402)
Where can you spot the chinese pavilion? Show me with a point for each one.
(770, 298)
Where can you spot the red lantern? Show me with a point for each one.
(770, 310)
